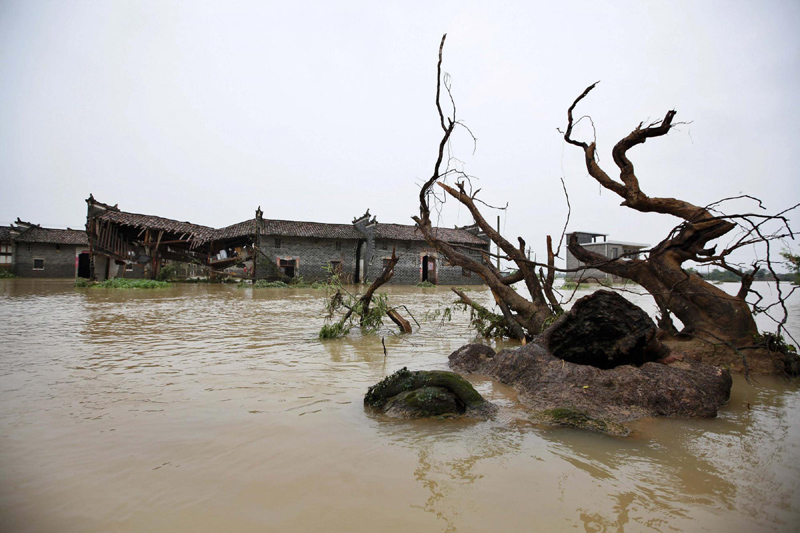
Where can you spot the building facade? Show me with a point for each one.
(262, 248)
(360, 251)
(599, 244)
(37, 252)
(6, 249)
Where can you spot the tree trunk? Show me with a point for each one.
(705, 310)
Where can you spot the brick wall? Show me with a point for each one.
(313, 255)
(408, 270)
(59, 260)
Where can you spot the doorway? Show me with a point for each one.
(428, 269)
(359, 263)
(83, 265)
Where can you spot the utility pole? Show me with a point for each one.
(498, 246)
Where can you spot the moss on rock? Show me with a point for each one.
(424, 393)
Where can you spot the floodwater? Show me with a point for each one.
(211, 408)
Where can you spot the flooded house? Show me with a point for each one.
(599, 243)
(123, 243)
(6, 249)
(31, 251)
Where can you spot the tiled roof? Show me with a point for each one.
(401, 232)
(284, 228)
(319, 230)
(397, 232)
(5, 236)
(196, 231)
(241, 229)
(54, 236)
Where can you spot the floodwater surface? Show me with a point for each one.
(212, 408)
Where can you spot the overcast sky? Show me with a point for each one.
(202, 111)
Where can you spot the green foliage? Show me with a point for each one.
(445, 313)
(426, 284)
(264, 284)
(83, 283)
(299, 283)
(333, 331)
(571, 285)
(549, 320)
(775, 343)
(124, 283)
(167, 273)
(793, 262)
(339, 300)
(486, 323)
(5, 274)
(294, 283)
(378, 309)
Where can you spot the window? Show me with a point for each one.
(5, 254)
(386, 262)
(128, 267)
(338, 245)
(288, 266)
(336, 267)
(38, 264)
(277, 243)
(615, 252)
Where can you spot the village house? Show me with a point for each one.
(31, 251)
(135, 245)
(6, 249)
(599, 244)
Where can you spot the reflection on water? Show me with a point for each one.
(206, 407)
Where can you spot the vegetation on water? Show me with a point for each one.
(571, 285)
(334, 330)
(342, 306)
(294, 283)
(167, 273)
(484, 321)
(5, 274)
(340, 300)
(718, 275)
(426, 285)
(122, 283)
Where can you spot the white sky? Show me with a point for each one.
(202, 111)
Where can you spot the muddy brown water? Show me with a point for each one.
(211, 408)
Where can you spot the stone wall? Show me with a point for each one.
(314, 255)
(408, 270)
(59, 259)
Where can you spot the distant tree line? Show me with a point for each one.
(726, 276)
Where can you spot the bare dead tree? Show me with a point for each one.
(524, 318)
(705, 310)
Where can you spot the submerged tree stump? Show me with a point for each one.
(408, 394)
